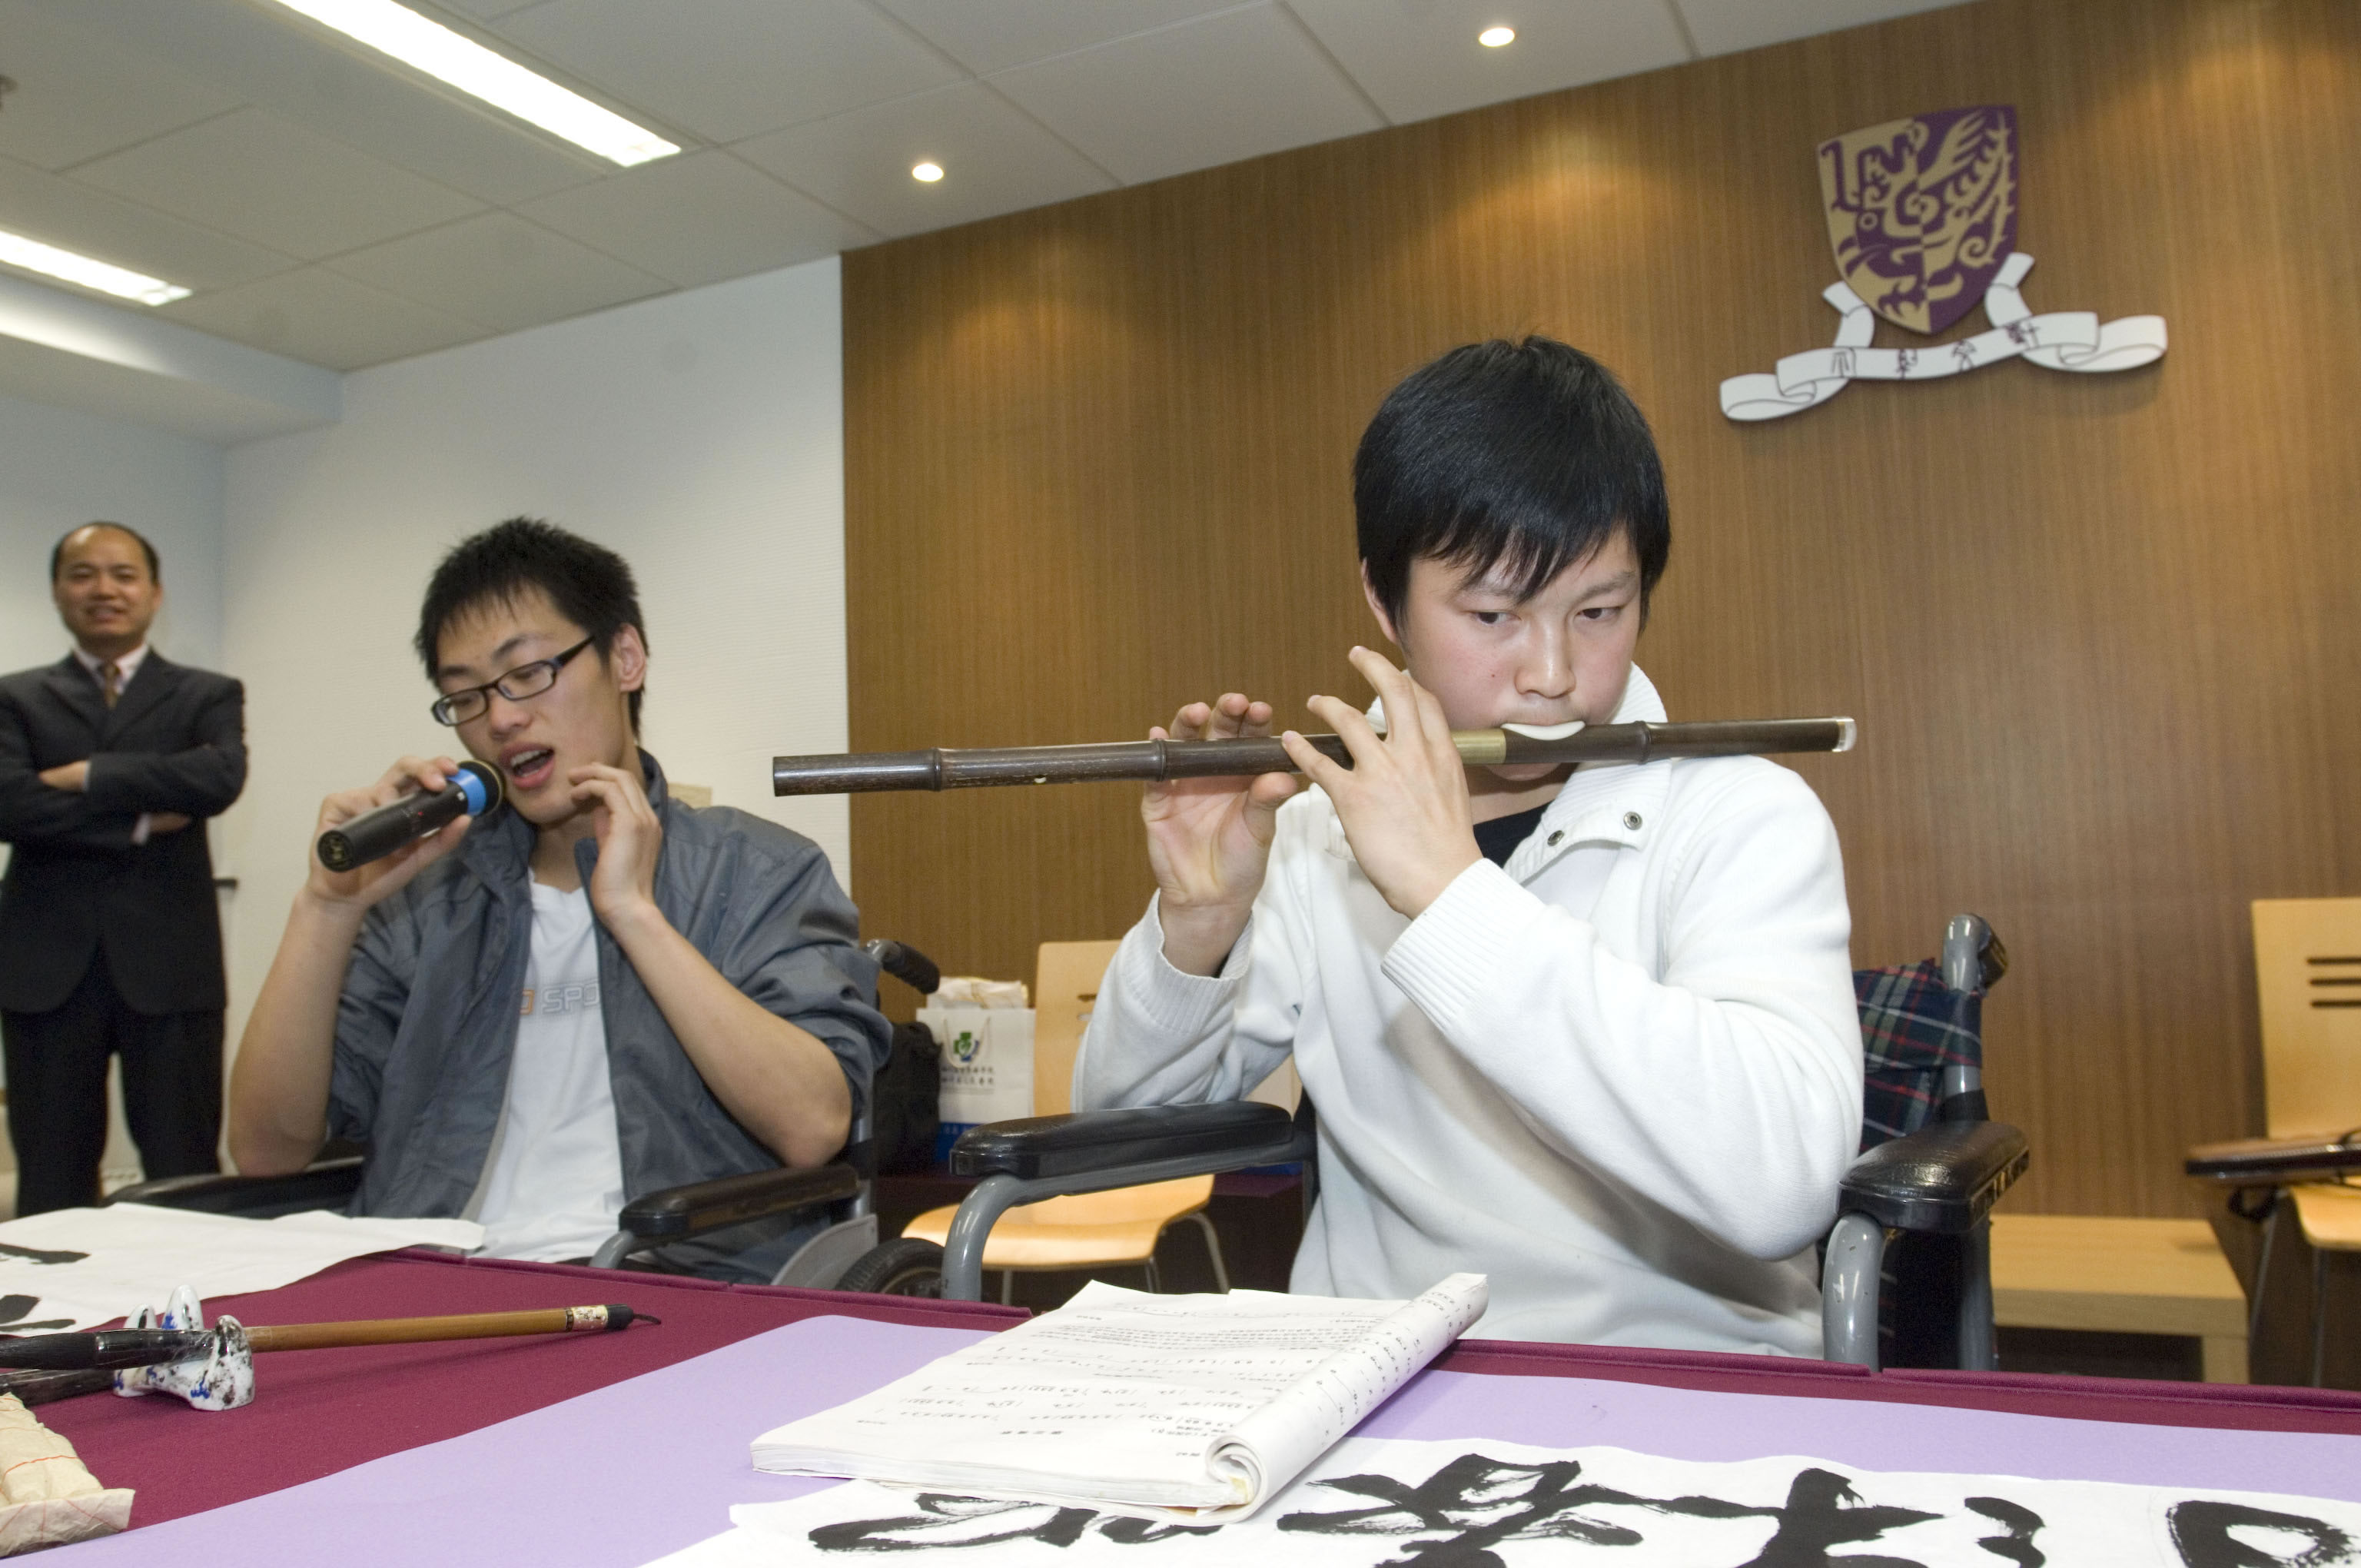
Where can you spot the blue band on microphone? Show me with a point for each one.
(477, 796)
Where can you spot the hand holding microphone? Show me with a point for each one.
(468, 789)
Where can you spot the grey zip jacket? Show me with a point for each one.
(428, 1018)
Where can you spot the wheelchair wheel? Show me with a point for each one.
(904, 1267)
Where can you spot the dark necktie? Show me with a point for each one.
(110, 681)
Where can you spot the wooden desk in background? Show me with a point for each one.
(2115, 1275)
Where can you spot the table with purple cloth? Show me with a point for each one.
(598, 1450)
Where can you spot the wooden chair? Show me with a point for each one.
(1119, 1228)
(2308, 971)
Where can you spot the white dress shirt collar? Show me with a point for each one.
(130, 664)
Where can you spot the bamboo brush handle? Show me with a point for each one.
(464, 1325)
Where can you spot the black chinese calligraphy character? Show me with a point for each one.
(36, 1254)
(12, 1315)
(2025, 334)
(2022, 1524)
(1903, 360)
(947, 1522)
(2201, 1533)
(1135, 1533)
(1823, 1511)
(1474, 1504)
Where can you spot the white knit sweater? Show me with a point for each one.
(1621, 1076)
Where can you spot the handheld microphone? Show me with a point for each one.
(474, 790)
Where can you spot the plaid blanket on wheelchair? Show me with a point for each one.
(1912, 1025)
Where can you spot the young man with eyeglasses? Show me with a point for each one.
(593, 994)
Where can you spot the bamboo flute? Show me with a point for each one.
(1155, 762)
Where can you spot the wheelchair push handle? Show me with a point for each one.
(1973, 959)
(906, 964)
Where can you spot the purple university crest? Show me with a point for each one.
(1922, 214)
(1922, 211)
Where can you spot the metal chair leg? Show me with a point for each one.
(1213, 1251)
(2318, 1313)
(2263, 1268)
(1154, 1279)
(1008, 1288)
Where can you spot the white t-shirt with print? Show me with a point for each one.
(553, 1180)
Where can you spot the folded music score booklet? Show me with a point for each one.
(1187, 1408)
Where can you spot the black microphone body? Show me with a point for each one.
(474, 790)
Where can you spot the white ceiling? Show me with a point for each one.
(331, 207)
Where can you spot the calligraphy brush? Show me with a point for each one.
(150, 1347)
(41, 1387)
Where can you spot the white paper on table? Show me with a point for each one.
(1187, 1408)
(1372, 1501)
(79, 1267)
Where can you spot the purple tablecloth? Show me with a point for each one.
(627, 1473)
(615, 1449)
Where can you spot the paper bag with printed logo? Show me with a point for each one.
(988, 1066)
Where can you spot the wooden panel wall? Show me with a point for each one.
(2103, 634)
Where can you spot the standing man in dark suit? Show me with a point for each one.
(110, 937)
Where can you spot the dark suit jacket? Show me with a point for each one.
(175, 741)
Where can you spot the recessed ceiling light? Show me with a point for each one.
(1491, 38)
(499, 80)
(50, 262)
(926, 173)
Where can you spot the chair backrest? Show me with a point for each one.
(1913, 1030)
(2308, 974)
(1066, 978)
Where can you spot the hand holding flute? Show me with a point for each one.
(1209, 839)
(1405, 803)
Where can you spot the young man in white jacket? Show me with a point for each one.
(1590, 1032)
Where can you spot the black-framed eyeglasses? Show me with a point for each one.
(525, 681)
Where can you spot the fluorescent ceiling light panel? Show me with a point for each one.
(120, 282)
(499, 80)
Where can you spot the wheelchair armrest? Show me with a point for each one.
(702, 1206)
(324, 1184)
(1942, 1180)
(2276, 1162)
(1230, 1135)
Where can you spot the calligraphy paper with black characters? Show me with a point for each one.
(1405, 1504)
(76, 1268)
(1178, 1407)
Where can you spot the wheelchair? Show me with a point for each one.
(837, 1193)
(1906, 1276)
